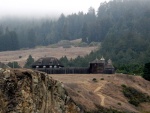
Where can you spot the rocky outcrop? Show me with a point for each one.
(27, 91)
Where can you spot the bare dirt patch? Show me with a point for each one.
(11, 56)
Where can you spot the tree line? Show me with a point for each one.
(122, 27)
(84, 62)
(8, 40)
(47, 31)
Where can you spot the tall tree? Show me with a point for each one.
(146, 71)
(31, 38)
(29, 62)
(84, 33)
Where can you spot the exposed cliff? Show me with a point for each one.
(27, 91)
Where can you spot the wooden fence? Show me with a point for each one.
(71, 70)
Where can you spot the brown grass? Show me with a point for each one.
(10, 56)
(106, 92)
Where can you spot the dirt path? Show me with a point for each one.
(102, 97)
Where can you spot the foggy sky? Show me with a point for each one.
(28, 8)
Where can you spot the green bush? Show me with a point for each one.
(83, 44)
(13, 65)
(146, 71)
(135, 97)
(119, 103)
(102, 78)
(20, 56)
(64, 43)
(94, 80)
(105, 110)
(66, 46)
(94, 44)
(29, 61)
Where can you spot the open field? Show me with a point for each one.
(105, 90)
(11, 56)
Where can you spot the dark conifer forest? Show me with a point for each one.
(122, 27)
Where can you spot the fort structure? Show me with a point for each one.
(52, 65)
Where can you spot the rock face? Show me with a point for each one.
(27, 91)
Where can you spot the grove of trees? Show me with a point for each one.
(8, 40)
(122, 27)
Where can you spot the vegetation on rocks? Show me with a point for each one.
(105, 110)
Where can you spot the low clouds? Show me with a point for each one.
(45, 7)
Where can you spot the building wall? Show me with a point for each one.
(97, 68)
(72, 70)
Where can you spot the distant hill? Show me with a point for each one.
(127, 39)
(122, 27)
(21, 56)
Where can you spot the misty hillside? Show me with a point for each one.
(121, 25)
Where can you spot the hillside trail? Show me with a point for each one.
(102, 97)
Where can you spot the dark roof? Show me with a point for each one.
(47, 61)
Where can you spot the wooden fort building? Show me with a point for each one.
(52, 65)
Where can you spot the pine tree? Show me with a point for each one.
(146, 71)
(29, 61)
(13, 65)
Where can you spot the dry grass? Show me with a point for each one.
(10, 56)
(106, 92)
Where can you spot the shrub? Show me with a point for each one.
(13, 65)
(66, 46)
(123, 85)
(146, 71)
(104, 110)
(119, 103)
(64, 43)
(29, 61)
(83, 44)
(102, 78)
(20, 56)
(95, 80)
(94, 44)
(135, 97)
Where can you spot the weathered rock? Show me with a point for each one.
(27, 91)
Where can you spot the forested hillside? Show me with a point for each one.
(8, 40)
(128, 37)
(123, 27)
(34, 32)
